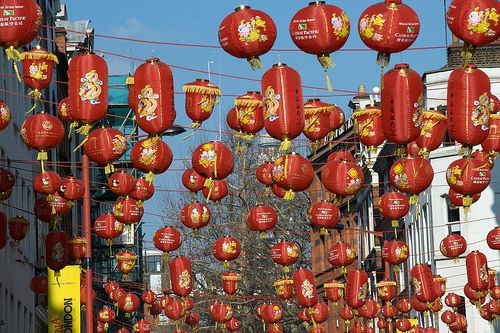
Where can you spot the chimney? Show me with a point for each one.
(361, 89)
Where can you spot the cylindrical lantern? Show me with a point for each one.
(293, 173)
(181, 276)
(334, 290)
(38, 66)
(477, 270)
(230, 282)
(56, 251)
(422, 281)
(368, 126)
(284, 288)
(151, 156)
(201, 98)
(356, 288)
(432, 133)
(76, 248)
(305, 287)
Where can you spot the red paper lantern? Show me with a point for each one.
(403, 324)
(143, 326)
(285, 254)
(213, 160)
(247, 33)
(148, 297)
(368, 126)
(105, 145)
(305, 287)
(126, 262)
(404, 305)
(165, 301)
(293, 173)
(341, 255)
(106, 316)
(201, 97)
(283, 109)
(143, 190)
(226, 249)
(181, 276)
(432, 133)
(262, 218)
(42, 132)
(491, 144)
(477, 270)
(304, 315)
(115, 295)
(320, 312)
(275, 328)
(58, 204)
(388, 27)
(394, 205)
(47, 182)
(71, 188)
(493, 239)
(233, 325)
(342, 178)
(272, 313)
(230, 282)
(492, 278)
(233, 122)
(121, 183)
(386, 290)
(39, 284)
(188, 303)
(5, 115)
(452, 300)
(356, 288)
(468, 105)
(395, 252)
(88, 90)
(457, 199)
(3, 230)
(453, 246)
(195, 215)
(192, 180)
(217, 191)
(221, 312)
(249, 113)
(18, 228)
(127, 211)
(29, 18)
(389, 311)
(106, 226)
(382, 324)
(109, 286)
(439, 285)
(346, 314)
(167, 239)
(38, 66)
(129, 303)
(7, 180)
(369, 310)
(412, 175)
(64, 109)
(264, 173)
(324, 214)
(422, 280)
(278, 191)
(192, 319)
(153, 90)
(468, 176)
(316, 120)
(56, 251)
(475, 297)
(284, 288)
(334, 290)
(76, 248)
(151, 156)
(448, 317)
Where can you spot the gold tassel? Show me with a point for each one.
(286, 269)
(255, 63)
(84, 129)
(133, 131)
(209, 182)
(226, 264)
(289, 195)
(324, 232)
(42, 166)
(149, 177)
(424, 153)
(188, 136)
(72, 125)
(414, 200)
(395, 223)
(285, 145)
(42, 155)
(36, 95)
(166, 257)
(467, 53)
(81, 144)
(195, 124)
(109, 244)
(328, 83)
(262, 235)
(109, 168)
(14, 55)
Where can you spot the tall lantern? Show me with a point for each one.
(320, 29)
(56, 251)
(88, 90)
(151, 156)
(104, 146)
(317, 121)
(167, 239)
(468, 106)
(432, 133)
(77, 249)
(412, 175)
(249, 113)
(388, 27)
(356, 288)
(368, 126)
(422, 280)
(305, 287)
(201, 98)
(477, 271)
(247, 33)
(181, 276)
(283, 108)
(491, 144)
(154, 89)
(293, 173)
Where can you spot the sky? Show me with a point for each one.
(197, 22)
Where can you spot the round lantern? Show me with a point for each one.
(341, 255)
(106, 316)
(7, 182)
(47, 182)
(493, 238)
(453, 246)
(337, 119)
(230, 282)
(42, 132)
(316, 121)
(395, 252)
(249, 113)
(192, 319)
(278, 191)
(39, 284)
(403, 305)
(285, 254)
(369, 310)
(195, 215)
(56, 251)
(346, 314)
(368, 126)
(143, 326)
(334, 290)
(38, 66)
(403, 324)
(151, 156)
(187, 303)
(18, 228)
(77, 249)
(325, 215)
(201, 97)
(88, 90)
(275, 328)
(468, 176)
(106, 226)
(181, 276)
(293, 173)
(432, 133)
(127, 211)
(5, 115)
(247, 33)
(457, 199)
(3, 230)
(129, 303)
(264, 173)
(284, 288)
(104, 146)
(226, 249)
(491, 144)
(319, 312)
(125, 261)
(154, 92)
(468, 106)
(422, 280)
(121, 183)
(71, 188)
(167, 239)
(389, 311)
(305, 287)
(192, 180)
(283, 115)
(382, 324)
(388, 27)
(213, 160)
(342, 178)
(143, 190)
(452, 300)
(412, 175)
(448, 317)
(341, 155)
(394, 205)
(320, 29)
(475, 297)
(232, 325)
(115, 295)
(217, 191)
(262, 218)
(477, 270)
(356, 288)
(386, 290)
(64, 109)
(148, 297)
(221, 312)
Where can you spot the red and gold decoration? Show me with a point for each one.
(5, 115)
(292, 173)
(201, 98)
(284, 288)
(192, 180)
(394, 205)
(334, 291)
(104, 146)
(107, 227)
(285, 254)
(317, 121)
(493, 238)
(143, 190)
(125, 261)
(325, 215)
(127, 211)
(76, 249)
(341, 255)
(248, 114)
(71, 188)
(411, 175)
(151, 156)
(217, 191)
(491, 144)
(342, 178)
(213, 160)
(195, 215)
(395, 252)
(106, 316)
(129, 303)
(56, 251)
(453, 246)
(226, 249)
(181, 276)
(262, 218)
(356, 288)
(477, 271)
(368, 126)
(167, 239)
(230, 281)
(47, 182)
(18, 228)
(423, 284)
(122, 183)
(432, 133)
(305, 288)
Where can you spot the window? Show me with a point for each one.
(453, 213)
(153, 264)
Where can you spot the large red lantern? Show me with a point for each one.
(272, 313)
(412, 175)
(143, 190)
(76, 248)
(468, 105)
(195, 215)
(386, 290)
(230, 282)
(105, 145)
(181, 276)
(125, 261)
(192, 180)
(262, 218)
(422, 280)
(249, 113)
(334, 290)
(143, 326)
(283, 108)
(121, 183)
(402, 104)
(356, 288)
(38, 65)
(106, 316)
(129, 303)
(493, 238)
(342, 178)
(452, 246)
(388, 27)
(56, 251)
(284, 288)
(341, 255)
(217, 191)
(88, 90)
(394, 205)
(3, 230)
(106, 226)
(368, 126)
(468, 176)
(491, 144)
(395, 252)
(285, 254)
(47, 182)
(477, 270)
(305, 287)
(226, 249)
(293, 173)
(317, 121)
(432, 133)
(167, 239)
(151, 156)
(320, 29)
(264, 173)
(5, 115)
(154, 92)
(324, 214)
(201, 98)
(247, 33)
(127, 211)
(213, 160)
(71, 188)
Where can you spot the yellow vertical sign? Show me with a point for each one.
(64, 300)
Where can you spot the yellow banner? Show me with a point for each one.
(64, 301)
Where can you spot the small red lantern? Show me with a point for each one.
(460, 324)
(477, 270)
(106, 316)
(324, 214)
(285, 254)
(305, 287)
(143, 190)
(316, 121)
(403, 324)
(109, 286)
(249, 113)
(342, 178)
(395, 252)
(121, 183)
(262, 218)
(275, 328)
(192, 180)
(105, 145)
(356, 288)
(388, 27)
(278, 191)
(272, 313)
(432, 133)
(192, 319)
(106, 226)
(448, 317)
(475, 297)
(201, 98)
(39, 284)
(293, 173)
(181, 276)
(283, 115)
(320, 312)
(247, 33)
(284, 288)
(154, 94)
(389, 311)
(394, 205)
(230, 282)
(151, 156)
(453, 246)
(452, 300)
(217, 191)
(226, 249)
(368, 126)
(195, 215)
(370, 309)
(5, 115)
(404, 305)
(422, 280)
(346, 314)
(127, 211)
(38, 65)
(167, 239)
(491, 144)
(71, 188)
(386, 290)
(221, 312)
(148, 297)
(412, 175)
(76, 248)
(115, 295)
(143, 326)
(47, 182)
(233, 325)
(7, 181)
(56, 251)
(213, 160)
(341, 255)
(334, 290)
(129, 303)
(126, 261)
(18, 228)
(493, 239)
(264, 173)
(64, 109)
(188, 303)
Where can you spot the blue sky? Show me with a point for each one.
(197, 21)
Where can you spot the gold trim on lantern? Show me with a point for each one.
(434, 115)
(209, 89)
(247, 101)
(495, 116)
(231, 277)
(282, 282)
(77, 241)
(39, 55)
(313, 110)
(368, 111)
(126, 257)
(385, 284)
(334, 285)
(440, 279)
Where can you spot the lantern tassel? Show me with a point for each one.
(226, 264)
(14, 55)
(109, 244)
(36, 95)
(289, 195)
(166, 257)
(324, 232)
(414, 200)
(72, 125)
(195, 124)
(188, 136)
(81, 143)
(133, 130)
(262, 235)
(328, 83)
(286, 269)
(263, 326)
(109, 168)
(84, 129)
(285, 145)
(149, 177)
(456, 260)
(255, 63)
(395, 223)
(467, 53)
(209, 182)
